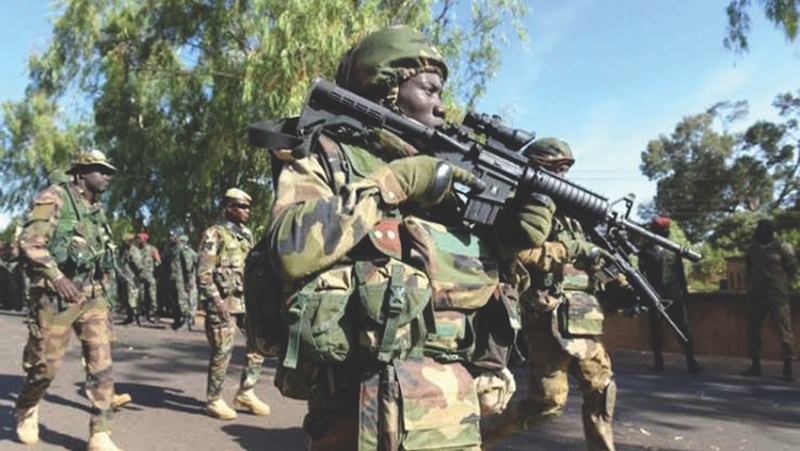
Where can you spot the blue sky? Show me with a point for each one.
(606, 76)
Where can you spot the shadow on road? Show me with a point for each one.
(153, 397)
(255, 438)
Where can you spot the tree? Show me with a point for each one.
(168, 88)
(782, 13)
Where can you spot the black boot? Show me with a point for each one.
(692, 367)
(178, 323)
(787, 371)
(128, 319)
(754, 370)
(658, 362)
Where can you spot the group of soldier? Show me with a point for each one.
(401, 320)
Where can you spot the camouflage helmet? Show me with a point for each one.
(91, 157)
(184, 239)
(378, 64)
(551, 152)
(128, 237)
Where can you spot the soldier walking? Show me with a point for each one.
(770, 264)
(223, 249)
(562, 322)
(63, 243)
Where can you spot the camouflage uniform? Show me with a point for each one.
(768, 269)
(148, 298)
(130, 267)
(562, 323)
(66, 236)
(182, 278)
(191, 260)
(220, 272)
(407, 295)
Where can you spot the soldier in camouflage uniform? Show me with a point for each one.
(374, 257)
(220, 271)
(191, 264)
(130, 267)
(64, 244)
(148, 298)
(664, 270)
(562, 323)
(770, 264)
(182, 281)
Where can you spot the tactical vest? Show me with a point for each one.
(81, 243)
(416, 294)
(579, 318)
(229, 273)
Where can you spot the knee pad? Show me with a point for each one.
(609, 398)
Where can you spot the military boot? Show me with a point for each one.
(120, 399)
(219, 409)
(101, 441)
(754, 370)
(28, 425)
(658, 362)
(248, 400)
(787, 371)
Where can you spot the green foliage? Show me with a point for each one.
(782, 13)
(168, 87)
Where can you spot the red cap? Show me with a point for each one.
(144, 236)
(660, 221)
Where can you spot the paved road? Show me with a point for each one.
(165, 373)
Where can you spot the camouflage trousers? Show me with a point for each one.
(408, 405)
(49, 331)
(220, 334)
(779, 309)
(548, 368)
(128, 295)
(148, 299)
(179, 294)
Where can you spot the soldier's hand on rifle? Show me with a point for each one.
(422, 179)
(526, 225)
(584, 250)
(67, 290)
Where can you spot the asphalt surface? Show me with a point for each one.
(164, 371)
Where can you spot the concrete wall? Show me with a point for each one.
(717, 320)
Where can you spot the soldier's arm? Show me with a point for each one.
(789, 260)
(38, 230)
(312, 227)
(208, 259)
(547, 258)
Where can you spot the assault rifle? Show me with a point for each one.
(502, 161)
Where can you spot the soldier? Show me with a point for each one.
(769, 266)
(150, 259)
(408, 305)
(130, 268)
(562, 323)
(664, 270)
(182, 280)
(63, 243)
(191, 270)
(220, 272)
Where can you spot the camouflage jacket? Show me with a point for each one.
(565, 290)
(768, 269)
(130, 264)
(183, 264)
(66, 235)
(150, 260)
(664, 270)
(220, 269)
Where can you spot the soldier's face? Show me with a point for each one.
(97, 180)
(420, 98)
(237, 211)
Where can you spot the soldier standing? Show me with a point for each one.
(191, 271)
(150, 259)
(182, 280)
(220, 271)
(130, 267)
(64, 244)
(408, 305)
(769, 266)
(562, 323)
(664, 270)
